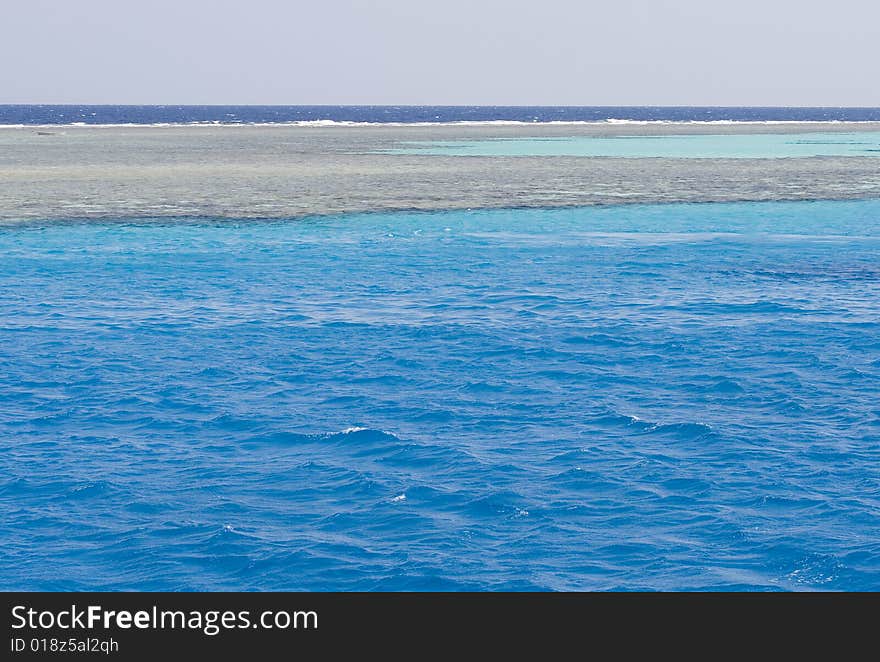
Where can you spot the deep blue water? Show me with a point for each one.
(49, 114)
(635, 397)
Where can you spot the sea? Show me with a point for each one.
(622, 397)
(28, 115)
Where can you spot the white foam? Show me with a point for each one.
(464, 123)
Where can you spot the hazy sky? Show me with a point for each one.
(614, 52)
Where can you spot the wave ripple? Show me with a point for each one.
(669, 397)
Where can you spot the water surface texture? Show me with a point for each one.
(756, 146)
(171, 114)
(642, 397)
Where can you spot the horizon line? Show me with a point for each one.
(426, 105)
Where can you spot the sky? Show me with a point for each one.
(468, 52)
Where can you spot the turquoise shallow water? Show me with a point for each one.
(646, 397)
(745, 146)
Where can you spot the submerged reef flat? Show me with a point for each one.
(283, 171)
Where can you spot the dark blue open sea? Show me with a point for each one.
(69, 114)
(636, 397)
